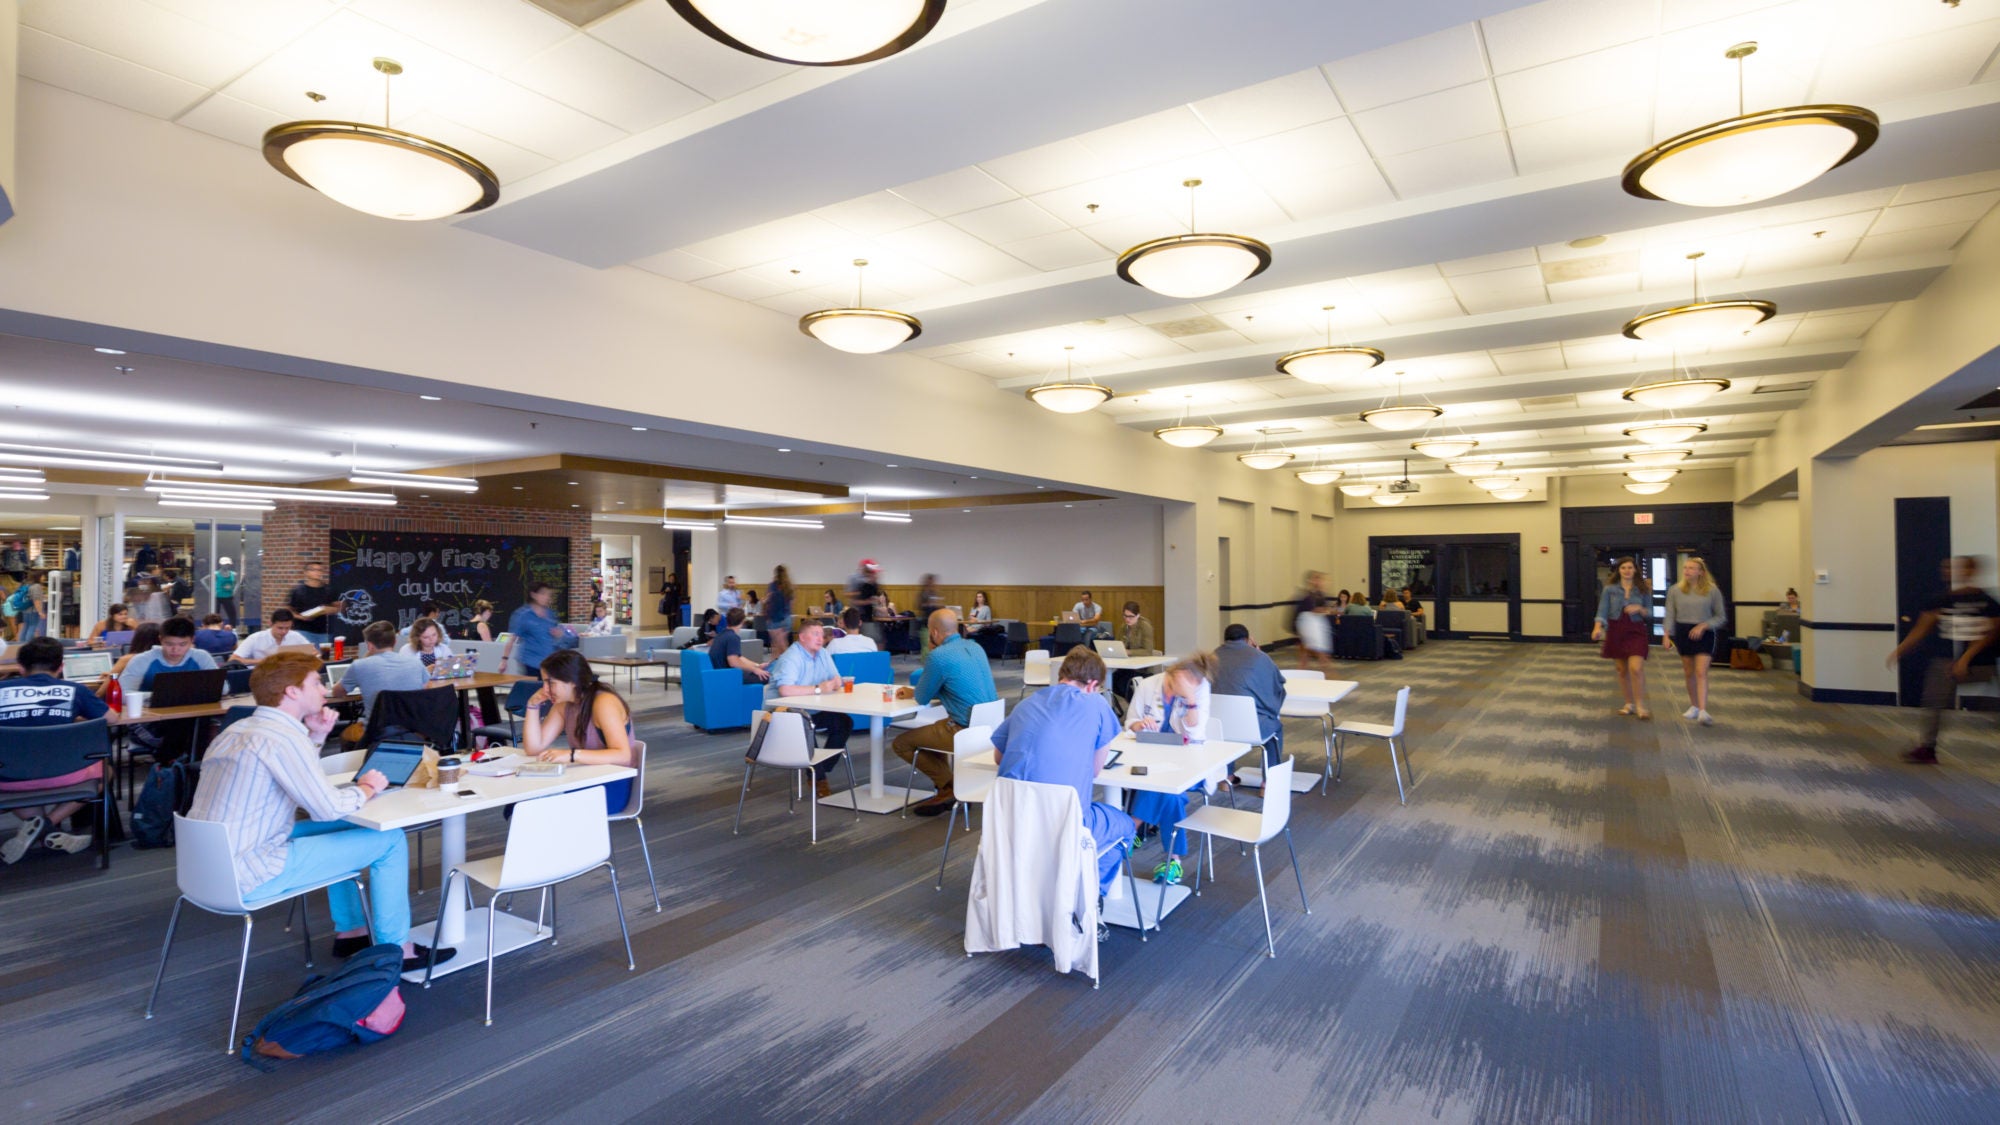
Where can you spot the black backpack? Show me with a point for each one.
(169, 789)
(328, 1011)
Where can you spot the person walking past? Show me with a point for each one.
(1625, 626)
(1967, 619)
(1696, 616)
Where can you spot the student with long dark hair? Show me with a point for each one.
(1625, 625)
(578, 718)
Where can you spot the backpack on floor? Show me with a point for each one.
(169, 789)
(357, 1003)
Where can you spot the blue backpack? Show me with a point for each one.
(20, 601)
(357, 1003)
(169, 789)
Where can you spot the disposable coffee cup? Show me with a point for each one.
(847, 684)
(135, 703)
(448, 773)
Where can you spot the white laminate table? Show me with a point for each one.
(1169, 769)
(1318, 698)
(399, 809)
(1135, 663)
(864, 702)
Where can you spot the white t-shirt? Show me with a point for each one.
(852, 642)
(261, 644)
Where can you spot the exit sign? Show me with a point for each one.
(1642, 517)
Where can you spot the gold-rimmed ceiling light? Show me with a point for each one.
(1473, 466)
(860, 329)
(1676, 394)
(1402, 415)
(1489, 484)
(1445, 448)
(1359, 488)
(1667, 431)
(1699, 323)
(1660, 455)
(813, 32)
(1319, 474)
(1511, 493)
(380, 170)
(1751, 156)
(1194, 264)
(1331, 363)
(1389, 499)
(1260, 458)
(1070, 396)
(1647, 489)
(1182, 435)
(1651, 476)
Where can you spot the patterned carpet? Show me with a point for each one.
(1578, 917)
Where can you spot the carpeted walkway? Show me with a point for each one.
(1578, 916)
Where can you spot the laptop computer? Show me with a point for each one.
(336, 672)
(187, 689)
(1160, 737)
(1113, 649)
(81, 666)
(396, 758)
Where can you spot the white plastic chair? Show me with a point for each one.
(789, 746)
(631, 812)
(971, 781)
(1035, 671)
(1256, 829)
(1392, 734)
(550, 840)
(988, 715)
(1296, 707)
(205, 868)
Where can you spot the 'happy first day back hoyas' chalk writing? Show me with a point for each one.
(410, 562)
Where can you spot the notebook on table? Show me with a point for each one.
(187, 689)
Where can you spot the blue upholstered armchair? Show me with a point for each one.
(716, 698)
(865, 667)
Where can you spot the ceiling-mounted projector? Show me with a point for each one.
(1405, 485)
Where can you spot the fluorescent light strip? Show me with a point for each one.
(385, 477)
(194, 463)
(17, 494)
(270, 492)
(68, 461)
(22, 476)
(774, 521)
(688, 525)
(885, 517)
(245, 505)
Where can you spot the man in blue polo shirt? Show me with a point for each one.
(805, 668)
(956, 674)
(39, 698)
(1062, 735)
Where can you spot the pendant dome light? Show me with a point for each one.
(1700, 323)
(1260, 458)
(1070, 396)
(1489, 484)
(1514, 492)
(1445, 448)
(1331, 363)
(1181, 435)
(1679, 392)
(1752, 156)
(1667, 431)
(1193, 265)
(1647, 489)
(1474, 466)
(1319, 474)
(1403, 415)
(813, 32)
(1389, 499)
(379, 170)
(1659, 455)
(1358, 489)
(861, 330)
(1651, 476)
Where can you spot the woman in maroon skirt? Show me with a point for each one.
(1625, 625)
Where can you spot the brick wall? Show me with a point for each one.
(295, 534)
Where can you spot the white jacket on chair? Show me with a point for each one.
(1035, 879)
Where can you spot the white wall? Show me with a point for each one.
(1765, 561)
(1094, 543)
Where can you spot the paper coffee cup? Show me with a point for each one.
(135, 703)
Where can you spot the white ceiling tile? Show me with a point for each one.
(942, 246)
(523, 117)
(1529, 360)
(225, 117)
(1698, 83)
(1797, 255)
(1169, 315)
(741, 286)
(150, 36)
(1495, 290)
(94, 74)
(1920, 241)
(1141, 343)
(509, 162)
(1404, 70)
(607, 84)
(1599, 351)
(1559, 29)
(1420, 311)
(1955, 185)
(267, 23)
(1213, 341)
(1120, 235)
(1127, 197)
(799, 234)
(679, 265)
(1334, 191)
(494, 34)
(1290, 102)
(653, 34)
(1506, 259)
(799, 304)
(873, 214)
(1148, 140)
(1617, 131)
(1677, 14)
(1430, 120)
(1873, 73)
(1936, 212)
(1049, 166)
(953, 193)
(1268, 330)
(1011, 221)
(1475, 160)
(1542, 93)
(1841, 326)
(1584, 288)
(1060, 250)
(333, 60)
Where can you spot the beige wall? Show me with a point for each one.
(1538, 522)
(1765, 561)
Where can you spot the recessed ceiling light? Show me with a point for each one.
(1069, 505)
(423, 495)
(431, 398)
(572, 482)
(638, 429)
(576, 505)
(109, 351)
(520, 488)
(967, 511)
(1041, 486)
(782, 450)
(889, 466)
(973, 478)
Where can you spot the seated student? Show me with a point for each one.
(215, 638)
(1411, 603)
(600, 620)
(427, 642)
(705, 631)
(260, 772)
(805, 668)
(381, 668)
(1090, 615)
(1138, 634)
(117, 619)
(578, 718)
(1062, 735)
(1358, 606)
(1391, 599)
(1175, 700)
(261, 644)
(425, 611)
(175, 653)
(853, 640)
(40, 697)
(958, 676)
(726, 651)
(830, 605)
(145, 638)
(1241, 668)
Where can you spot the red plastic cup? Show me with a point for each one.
(339, 647)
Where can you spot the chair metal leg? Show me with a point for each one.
(305, 927)
(1138, 908)
(1296, 873)
(420, 859)
(647, 853)
(236, 1009)
(1270, 943)
(489, 963)
(165, 948)
(1326, 737)
(1398, 771)
(291, 913)
(797, 778)
(554, 938)
(950, 822)
(1203, 846)
(444, 896)
(618, 902)
(853, 789)
(748, 768)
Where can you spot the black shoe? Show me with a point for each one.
(935, 806)
(421, 959)
(344, 947)
(1921, 756)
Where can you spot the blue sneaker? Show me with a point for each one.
(1168, 872)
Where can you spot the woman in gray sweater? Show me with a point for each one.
(1695, 618)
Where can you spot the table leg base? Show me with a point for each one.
(510, 932)
(891, 800)
(1118, 911)
(1253, 778)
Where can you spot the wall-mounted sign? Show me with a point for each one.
(1642, 517)
(386, 575)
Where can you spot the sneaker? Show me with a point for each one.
(1168, 872)
(71, 842)
(31, 830)
(1707, 719)
(1921, 755)
(1691, 714)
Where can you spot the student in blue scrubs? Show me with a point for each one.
(1062, 735)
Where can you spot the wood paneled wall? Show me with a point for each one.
(1028, 603)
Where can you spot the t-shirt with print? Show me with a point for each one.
(41, 700)
(1964, 616)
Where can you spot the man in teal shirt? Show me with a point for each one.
(957, 675)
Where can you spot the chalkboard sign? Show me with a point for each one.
(386, 575)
